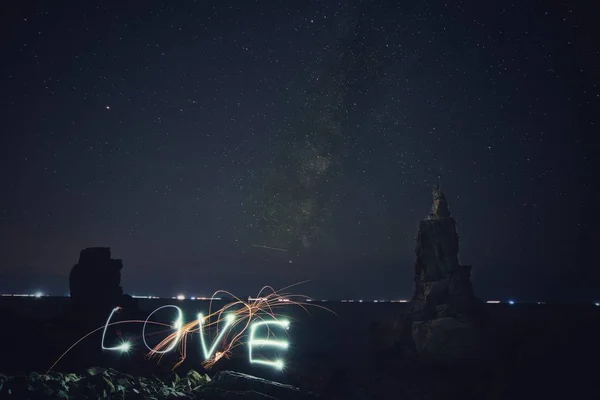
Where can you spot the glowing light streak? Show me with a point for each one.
(236, 313)
(245, 313)
(282, 344)
(123, 347)
(177, 325)
(208, 352)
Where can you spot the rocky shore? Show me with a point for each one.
(102, 383)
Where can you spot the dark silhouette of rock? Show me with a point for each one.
(443, 307)
(95, 284)
(236, 385)
(442, 286)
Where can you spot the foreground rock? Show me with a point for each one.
(234, 385)
(100, 383)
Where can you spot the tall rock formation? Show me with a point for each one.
(443, 306)
(442, 285)
(95, 284)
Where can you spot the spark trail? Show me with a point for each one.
(237, 313)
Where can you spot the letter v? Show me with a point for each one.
(208, 352)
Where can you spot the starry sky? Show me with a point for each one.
(236, 144)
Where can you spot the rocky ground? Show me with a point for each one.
(100, 383)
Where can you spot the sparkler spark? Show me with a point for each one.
(177, 325)
(241, 313)
(123, 347)
(251, 315)
(207, 353)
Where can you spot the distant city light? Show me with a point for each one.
(597, 304)
(182, 297)
(256, 298)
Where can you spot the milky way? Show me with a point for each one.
(246, 143)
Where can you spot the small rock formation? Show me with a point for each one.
(443, 306)
(95, 284)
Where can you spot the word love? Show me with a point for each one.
(181, 330)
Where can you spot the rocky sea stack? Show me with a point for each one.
(95, 286)
(444, 311)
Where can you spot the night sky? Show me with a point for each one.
(186, 135)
